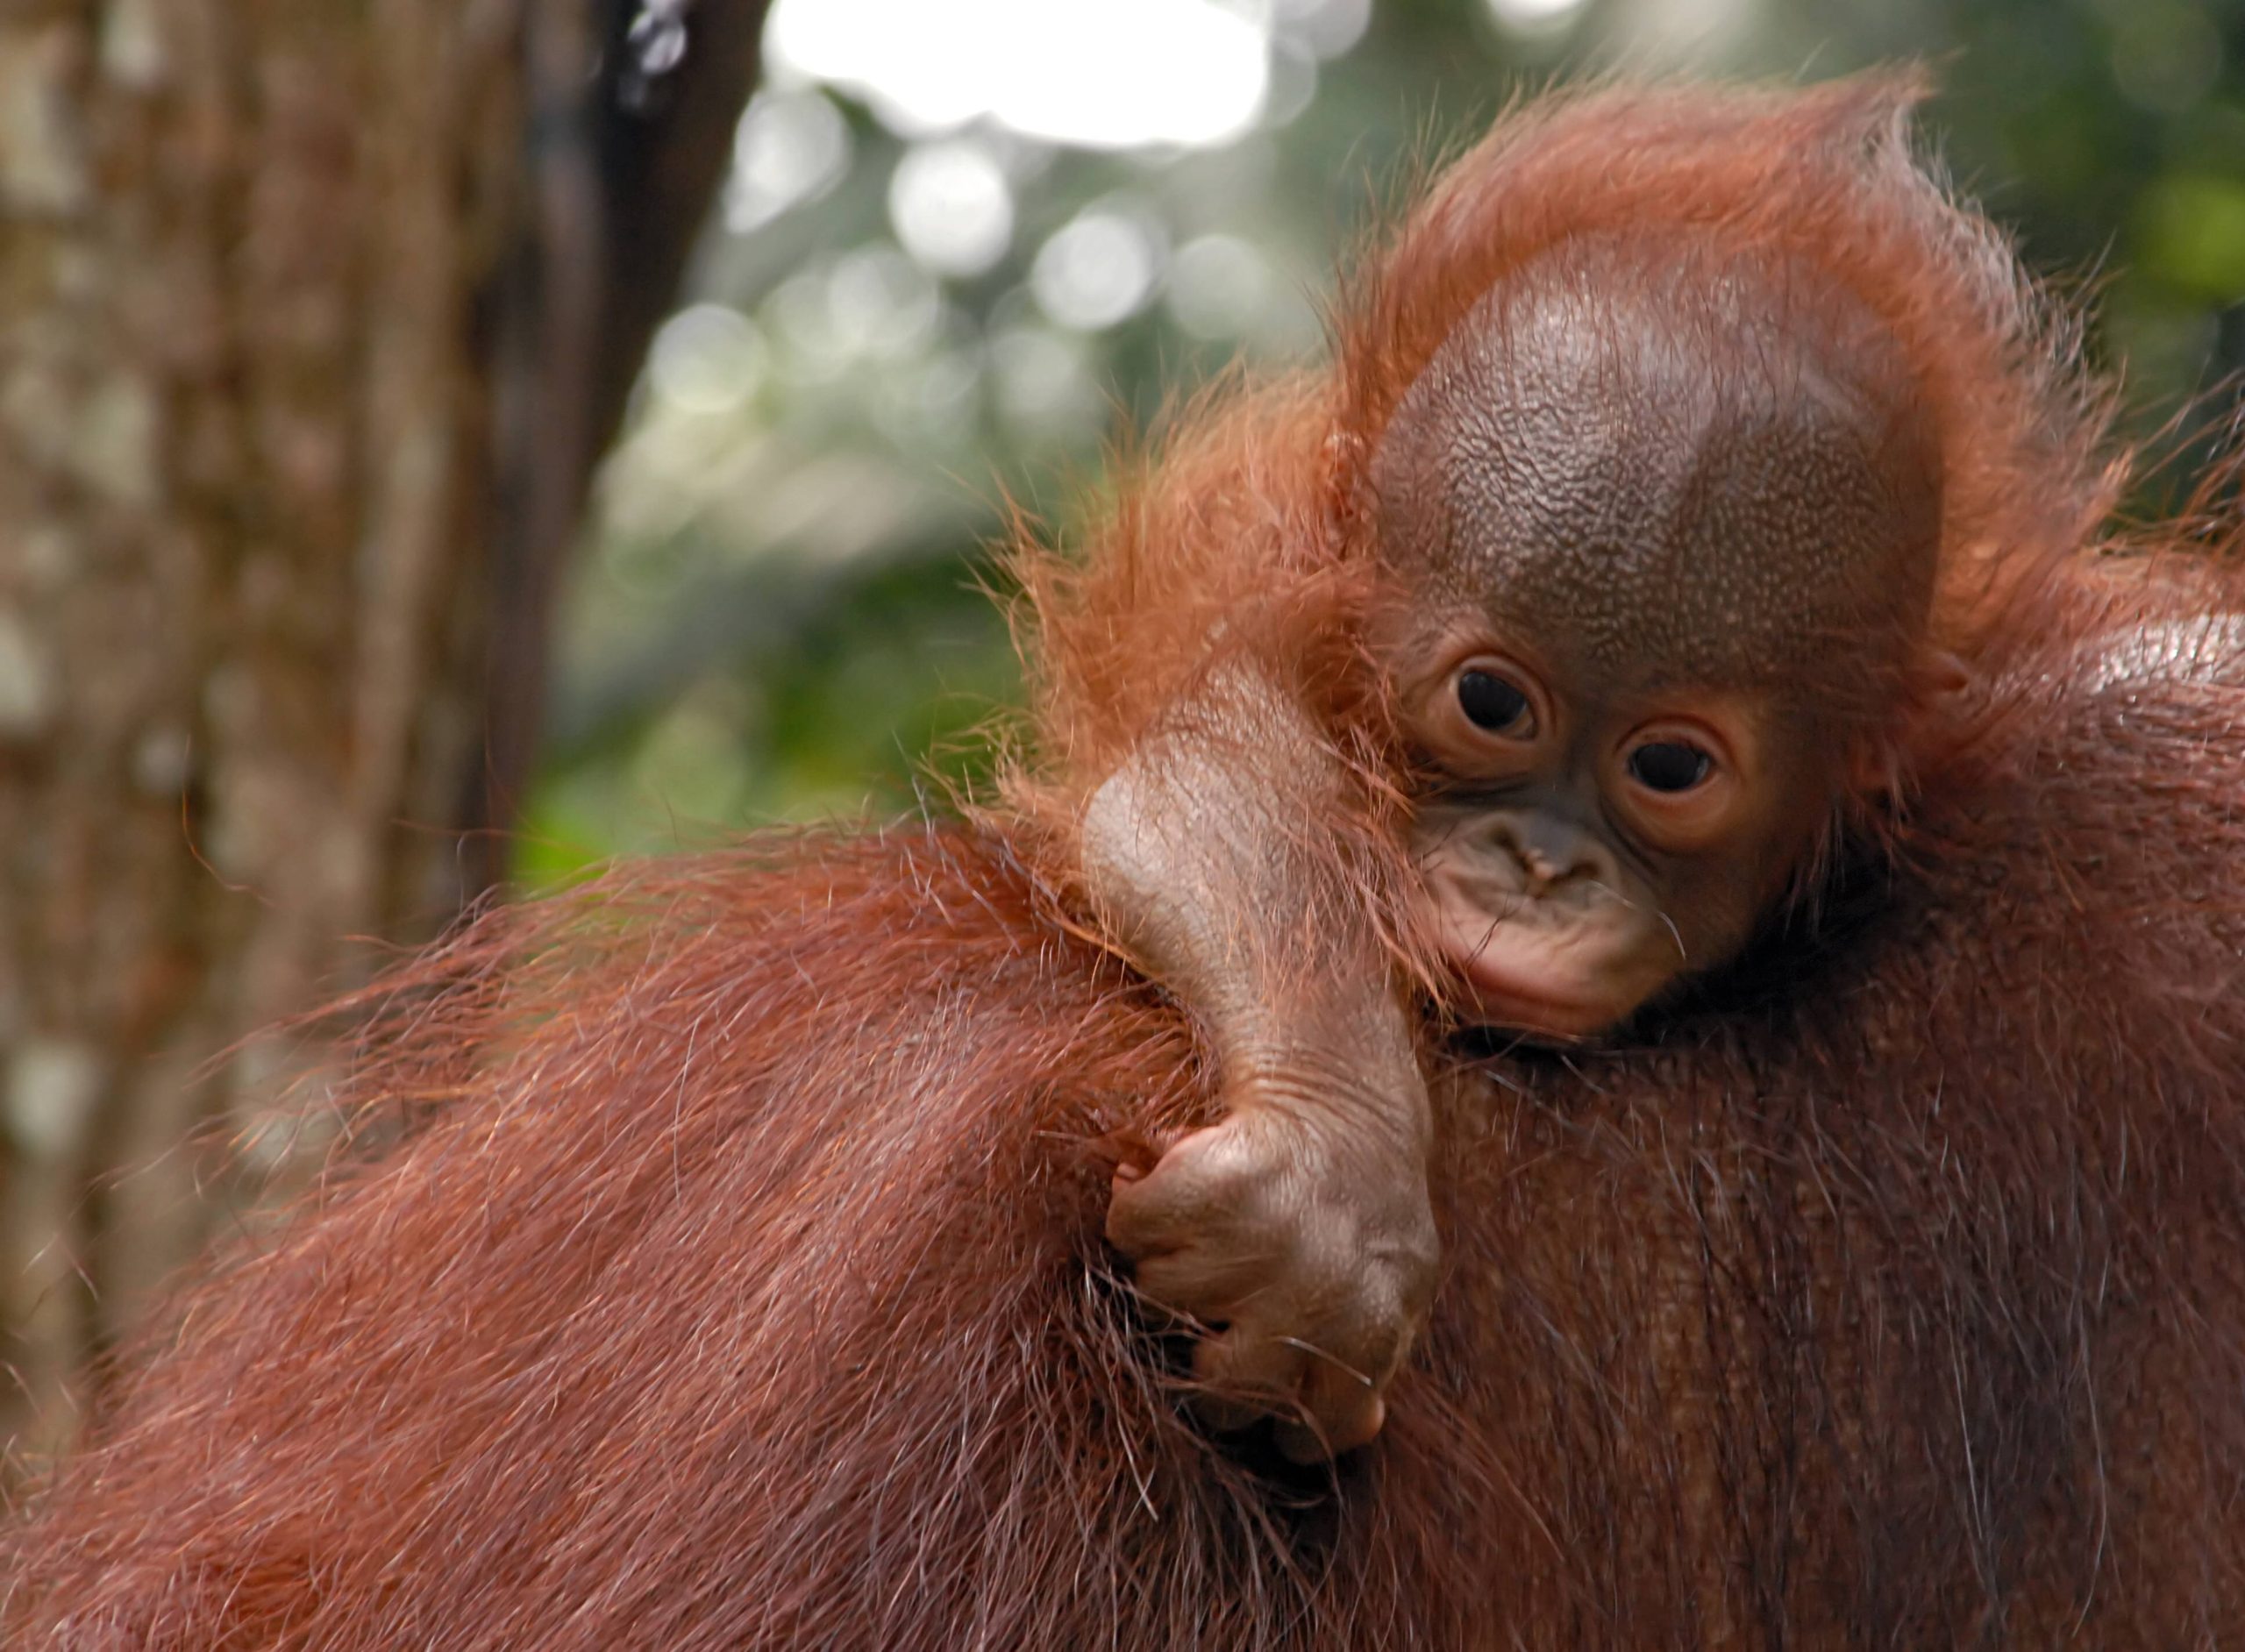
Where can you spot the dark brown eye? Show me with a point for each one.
(1669, 766)
(1490, 702)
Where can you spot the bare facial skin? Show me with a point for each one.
(1659, 583)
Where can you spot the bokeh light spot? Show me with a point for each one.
(790, 148)
(707, 359)
(1097, 73)
(952, 206)
(1043, 383)
(1533, 17)
(1098, 269)
(1327, 27)
(1217, 285)
(881, 304)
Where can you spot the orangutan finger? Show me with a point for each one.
(1164, 1209)
(1245, 1376)
(1342, 1409)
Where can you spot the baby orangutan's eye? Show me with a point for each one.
(1669, 766)
(1491, 703)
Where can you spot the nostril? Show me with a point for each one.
(1547, 853)
(1509, 841)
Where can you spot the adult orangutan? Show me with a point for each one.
(744, 1286)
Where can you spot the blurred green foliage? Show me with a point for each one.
(778, 614)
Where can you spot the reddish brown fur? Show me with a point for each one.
(744, 1287)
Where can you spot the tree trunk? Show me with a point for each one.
(306, 337)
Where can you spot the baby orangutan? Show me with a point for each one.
(1655, 535)
(1670, 551)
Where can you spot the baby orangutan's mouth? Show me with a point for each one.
(1561, 970)
(1521, 974)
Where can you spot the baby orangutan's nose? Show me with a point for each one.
(1551, 852)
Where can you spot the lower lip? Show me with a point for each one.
(1503, 1003)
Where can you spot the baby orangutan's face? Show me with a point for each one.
(1584, 853)
(1659, 546)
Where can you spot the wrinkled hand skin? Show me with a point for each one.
(1307, 1247)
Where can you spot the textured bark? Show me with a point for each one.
(300, 301)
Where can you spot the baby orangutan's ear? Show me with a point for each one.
(1945, 676)
(1879, 763)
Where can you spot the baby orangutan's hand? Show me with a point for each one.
(1306, 1243)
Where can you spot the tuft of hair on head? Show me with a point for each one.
(1827, 181)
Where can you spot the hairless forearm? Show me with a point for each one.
(1218, 855)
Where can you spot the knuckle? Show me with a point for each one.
(1127, 1228)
